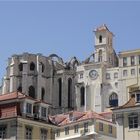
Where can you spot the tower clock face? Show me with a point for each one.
(93, 74)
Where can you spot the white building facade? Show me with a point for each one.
(108, 79)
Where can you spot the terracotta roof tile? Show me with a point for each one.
(74, 116)
(130, 103)
(12, 95)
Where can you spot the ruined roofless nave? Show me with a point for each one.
(102, 81)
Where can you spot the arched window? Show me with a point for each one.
(32, 66)
(82, 96)
(42, 67)
(20, 67)
(100, 39)
(60, 91)
(42, 94)
(19, 89)
(69, 93)
(113, 100)
(100, 56)
(32, 91)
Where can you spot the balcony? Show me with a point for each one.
(84, 132)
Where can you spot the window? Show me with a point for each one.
(3, 132)
(32, 66)
(100, 39)
(115, 75)
(107, 75)
(139, 59)
(32, 91)
(124, 61)
(42, 67)
(109, 129)
(113, 100)
(116, 84)
(28, 133)
(66, 130)
(132, 60)
(132, 71)
(101, 127)
(133, 120)
(60, 91)
(82, 92)
(100, 56)
(43, 134)
(138, 97)
(42, 94)
(76, 127)
(139, 70)
(124, 73)
(43, 111)
(85, 127)
(57, 133)
(20, 67)
(69, 93)
(81, 75)
(28, 108)
(19, 89)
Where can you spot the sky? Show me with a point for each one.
(64, 27)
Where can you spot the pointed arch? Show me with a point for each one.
(69, 93)
(32, 66)
(82, 96)
(100, 56)
(42, 94)
(60, 91)
(100, 39)
(32, 91)
(20, 67)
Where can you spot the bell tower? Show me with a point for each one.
(104, 51)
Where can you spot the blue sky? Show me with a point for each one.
(64, 27)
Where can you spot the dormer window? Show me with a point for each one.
(100, 39)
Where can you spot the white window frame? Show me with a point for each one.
(134, 121)
(110, 130)
(29, 108)
(3, 132)
(43, 112)
(108, 76)
(125, 73)
(43, 134)
(101, 126)
(133, 72)
(28, 132)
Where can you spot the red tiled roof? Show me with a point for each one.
(74, 116)
(18, 95)
(130, 103)
(12, 95)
